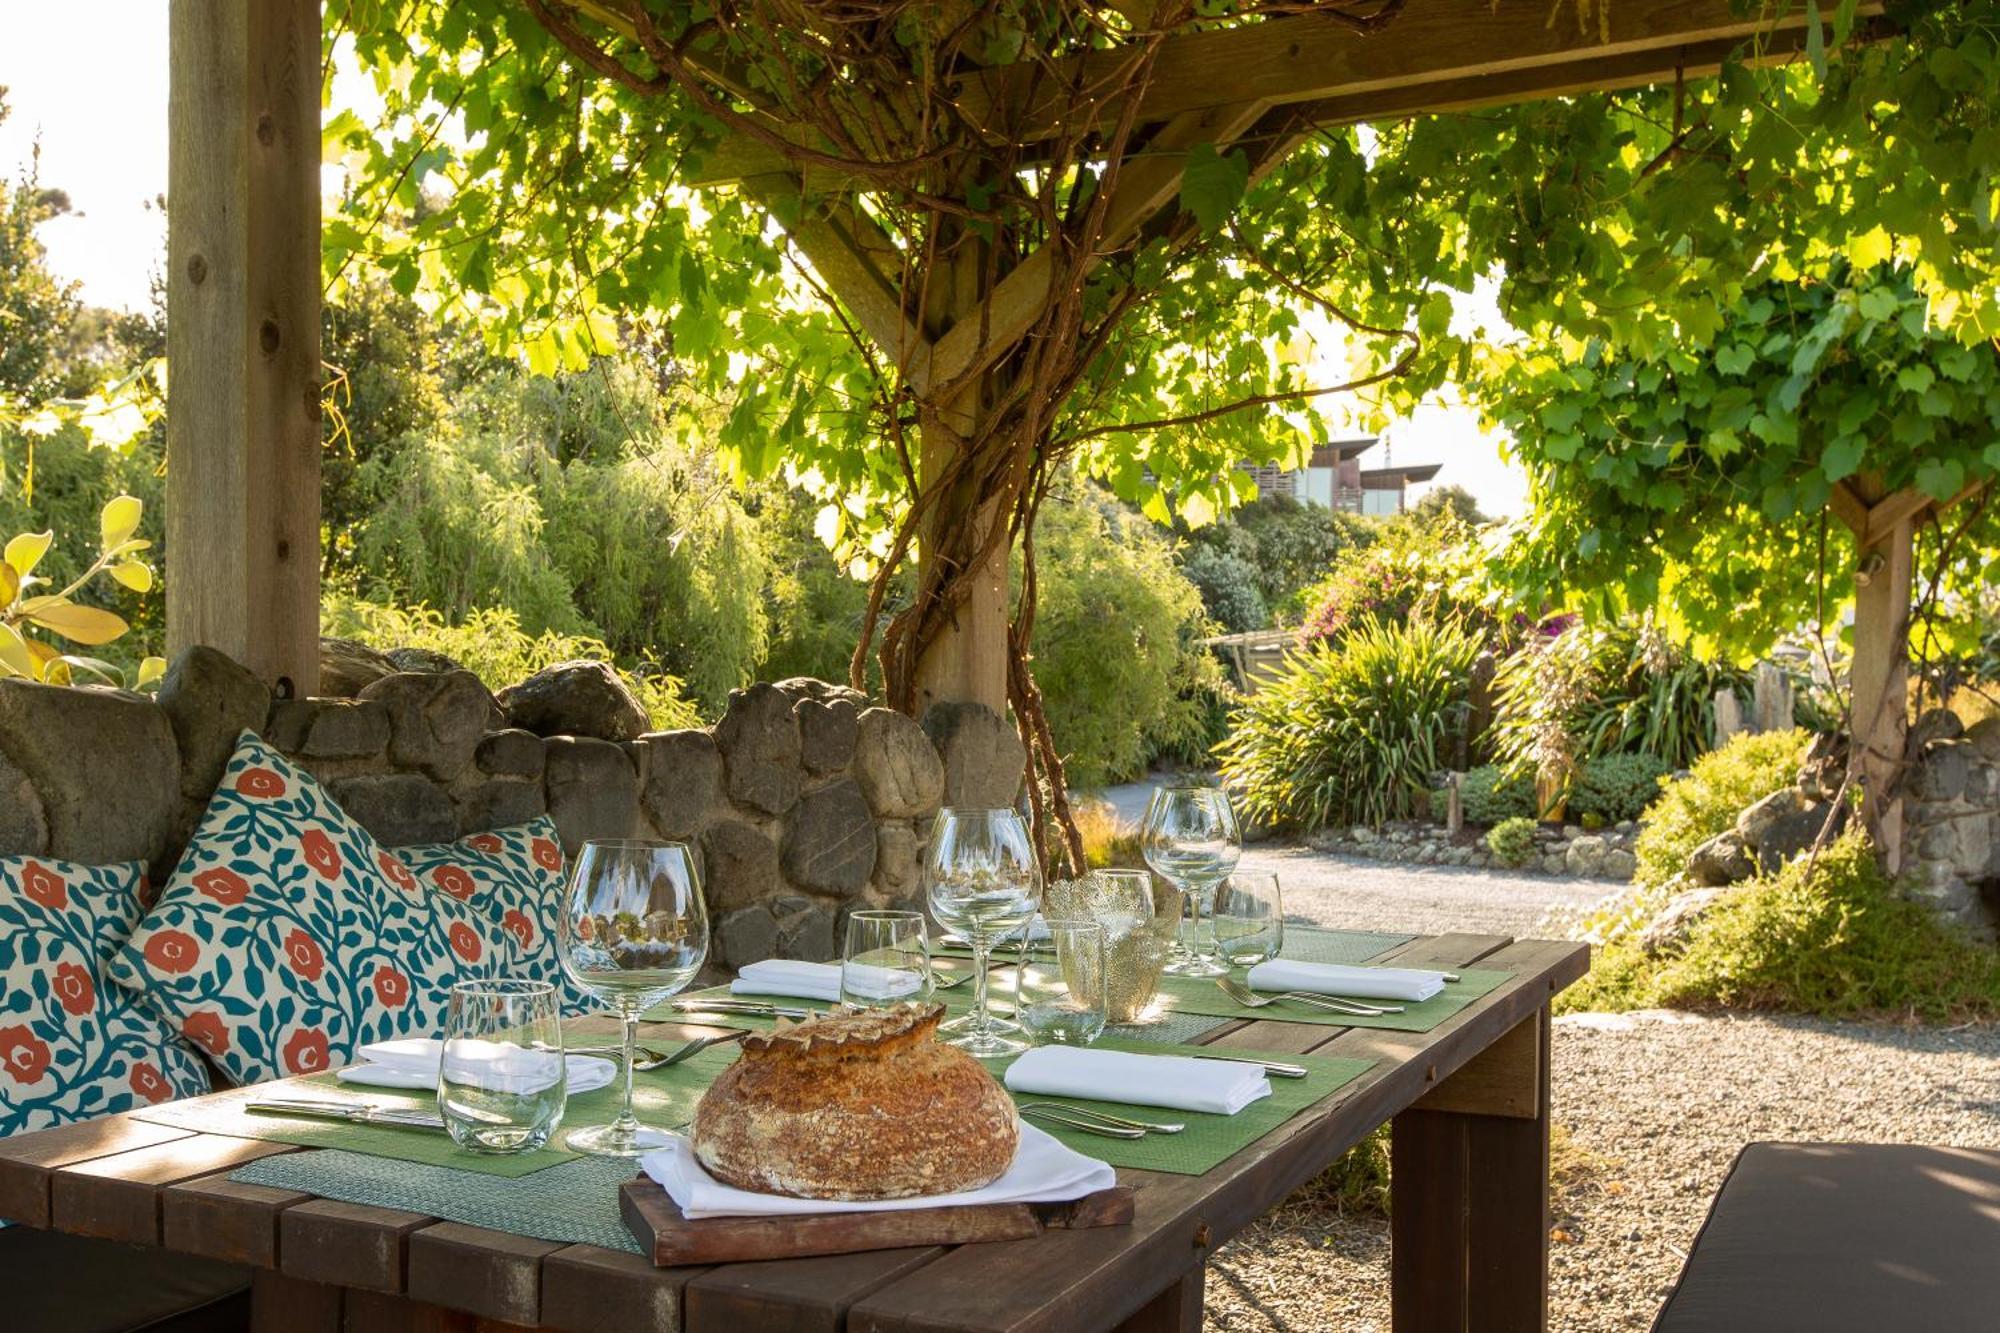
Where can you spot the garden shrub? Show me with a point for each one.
(1289, 548)
(1229, 590)
(1616, 787)
(1416, 572)
(1488, 795)
(1512, 840)
(1352, 733)
(1826, 935)
(1693, 809)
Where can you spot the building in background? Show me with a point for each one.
(1334, 479)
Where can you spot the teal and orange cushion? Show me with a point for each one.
(288, 937)
(73, 1046)
(512, 880)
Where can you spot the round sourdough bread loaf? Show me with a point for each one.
(867, 1105)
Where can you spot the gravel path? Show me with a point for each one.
(1655, 1106)
(1354, 893)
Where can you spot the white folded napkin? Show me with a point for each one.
(414, 1062)
(819, 981)
(1043, 1171)
(1180, 1082)
(1360, 983)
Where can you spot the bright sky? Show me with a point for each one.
(101, 117)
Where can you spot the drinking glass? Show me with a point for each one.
(1192, 842)
(502, 1082)
(1059, 997)
(887, 960)
(1249, 918)
(633, 931)
(983, 879)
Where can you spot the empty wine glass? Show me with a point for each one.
(1249, 918)
(984, 879)
(633, 931)
(1192, 842)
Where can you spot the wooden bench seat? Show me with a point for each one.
(56, 1283)
(1846, 1238)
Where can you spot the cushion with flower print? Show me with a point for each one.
(73, 1046)
(287, 937)
(512, 879)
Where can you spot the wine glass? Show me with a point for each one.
(633, 931)
(984, 880)
(1192, 842)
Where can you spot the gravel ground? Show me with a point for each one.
(1354, 893)
(1655, 1105)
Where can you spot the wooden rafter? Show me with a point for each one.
(1874, 521)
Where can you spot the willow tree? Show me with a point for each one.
(922, 256)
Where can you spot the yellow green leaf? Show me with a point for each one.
(80, 624)
(10, 584)
(1870, 248)
(26, 550)
(15, 660)
(120, 520)
(55, 671)
(151, 670)
(134, 574)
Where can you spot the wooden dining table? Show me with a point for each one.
(1468, 1102)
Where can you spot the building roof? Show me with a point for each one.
(1393, 478)
(1339, 451)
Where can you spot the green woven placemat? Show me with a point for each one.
(1208, 1139)
(664, 1097)
(1194, 996)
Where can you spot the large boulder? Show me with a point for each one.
(493, 803)
(1723, 859)
(898, 850)
(799, 688)
(399, 809)
(435, 721)
(423, 659)
(348, 666)
(210, 700)
(682, 794)
(746, 935)
(1670, 925)
(827, 733)
(1585, 855)
(897, 766)
(830, 840)
(575, 699)
(740, 866)
(983, 758)
(1941, 770)
(1984, 737)
(759, 739)
(510, 753)
(805, 928)
(103, 766)
(593, 790)
(24, 824)
(329, 728)
(1755, 823)
(1793, 832)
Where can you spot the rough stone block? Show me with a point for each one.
(348, 666)
(683, 788)
(510, 753)
(827, 733)
(830, 840)
(1755, 823)
(1792, 833)
(498, 803)
(759, 739)
(329, 728)
(210, 700)
(1585, 856)
(435, 722)
(897, 853)
(1723, 859)
(575, 699)
(739, 864)
(805, 929)
(1941, 770)
(747, 935)
(899, 770)
(398, 808)
(1984, 736)
(593, 790)
(24, 824)
(983, 758)
(103, 763)
(798, 688)
(423, 659)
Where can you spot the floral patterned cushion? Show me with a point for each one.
(71, 1045)
(287, 937)
(513, 880)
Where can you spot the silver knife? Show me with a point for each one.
(747, 1007)
(360, 1113)
(1276, 1068)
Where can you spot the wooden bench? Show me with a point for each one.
(1846, 1238)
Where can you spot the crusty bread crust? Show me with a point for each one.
(869, 1105)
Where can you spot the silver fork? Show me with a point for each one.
(1066, 1118)
(1250, 999)
(1116, 1121)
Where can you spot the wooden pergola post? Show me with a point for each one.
(243, 301)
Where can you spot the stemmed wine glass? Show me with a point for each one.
(1192, 842)
(633, 931)
(984, 881)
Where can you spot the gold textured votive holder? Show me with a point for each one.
(1135, 952)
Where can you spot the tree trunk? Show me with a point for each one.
(1880, 683)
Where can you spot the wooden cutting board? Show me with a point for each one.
(655, 1221)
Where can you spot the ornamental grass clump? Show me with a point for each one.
(1352, 734)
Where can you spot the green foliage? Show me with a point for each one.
(1512, 840)
(1353, 732)
(1116, 652)
(1693, 809)
(1451, 499)
(1489, 794)
(816, 606)
(1292, 548)
(1228, 586)
(490, 643)
(1826, 936)
(1416, 571)
(1616, 787)
(36, 307)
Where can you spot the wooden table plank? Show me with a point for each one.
(348, 1244)
(494, 1274)
(1096, 1280)
(794, 1295)
(219, 1218)
(118, 1197)
(29, 1161)
(589, 1289)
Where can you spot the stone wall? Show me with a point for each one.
(1952, 802)
(1570, 849)
(804, 801)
